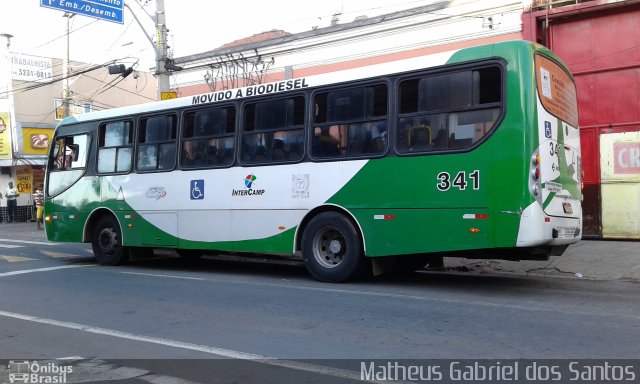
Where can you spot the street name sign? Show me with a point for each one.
(109, 10)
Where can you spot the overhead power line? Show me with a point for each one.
(58, 79)
(65, 35)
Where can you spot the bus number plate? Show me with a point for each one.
(567, 208)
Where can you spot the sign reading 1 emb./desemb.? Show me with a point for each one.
(110, 10)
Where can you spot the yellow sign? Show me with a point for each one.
(35, 141)
(5, 136)
(74, 109)
(24, 180)
(168, 95)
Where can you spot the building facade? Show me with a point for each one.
(598, 39)
(600, 42)
(31, 104)
(277, 55)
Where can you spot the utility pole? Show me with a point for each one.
(161, 49)
(7, 108)
(66, 93)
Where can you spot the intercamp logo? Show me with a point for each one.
(249, 182)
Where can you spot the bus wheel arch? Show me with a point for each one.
(332, 245)
(104, 233)
(94, 216)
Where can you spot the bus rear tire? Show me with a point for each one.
(106, 241)
(332, 248)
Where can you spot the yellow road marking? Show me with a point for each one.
(57, 255)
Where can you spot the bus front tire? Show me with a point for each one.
(106, 241)
(332, 248)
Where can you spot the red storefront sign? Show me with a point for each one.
(626, 158)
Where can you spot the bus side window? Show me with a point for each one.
(272, 130)
(58, 155)
(359, 139)
(350, 122)
(157, 143)
(470, 126)
(70, 153)
(114, 147)
(462, 107)
(461, 131)
(208, 137)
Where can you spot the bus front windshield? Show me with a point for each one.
(67, 162)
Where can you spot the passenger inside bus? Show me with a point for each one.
(193, 153)
(66, 155)
(278, 147)
(379, 137)
(326, 143)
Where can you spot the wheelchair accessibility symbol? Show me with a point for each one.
(547, 129)
(197, 189)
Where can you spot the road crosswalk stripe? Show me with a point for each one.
(26, 242)
(12, 273)
(14, 259)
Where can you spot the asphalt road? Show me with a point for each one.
(168, 318)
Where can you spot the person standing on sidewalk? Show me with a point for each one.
(38, 199)
(12, 194)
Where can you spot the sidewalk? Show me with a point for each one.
(588, 259)
(21, 231)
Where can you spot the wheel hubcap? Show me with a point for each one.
(335, 247)
(108, 240)
(329, 247)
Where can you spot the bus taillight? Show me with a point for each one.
(534, 184)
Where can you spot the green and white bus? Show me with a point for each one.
(467, 153)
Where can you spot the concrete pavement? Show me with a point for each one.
(588, 259)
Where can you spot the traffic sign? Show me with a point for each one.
(109, 10)
(168, 95)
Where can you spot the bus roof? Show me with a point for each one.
(288, 85)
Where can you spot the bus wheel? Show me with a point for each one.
(106, 242)
(332, 249)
